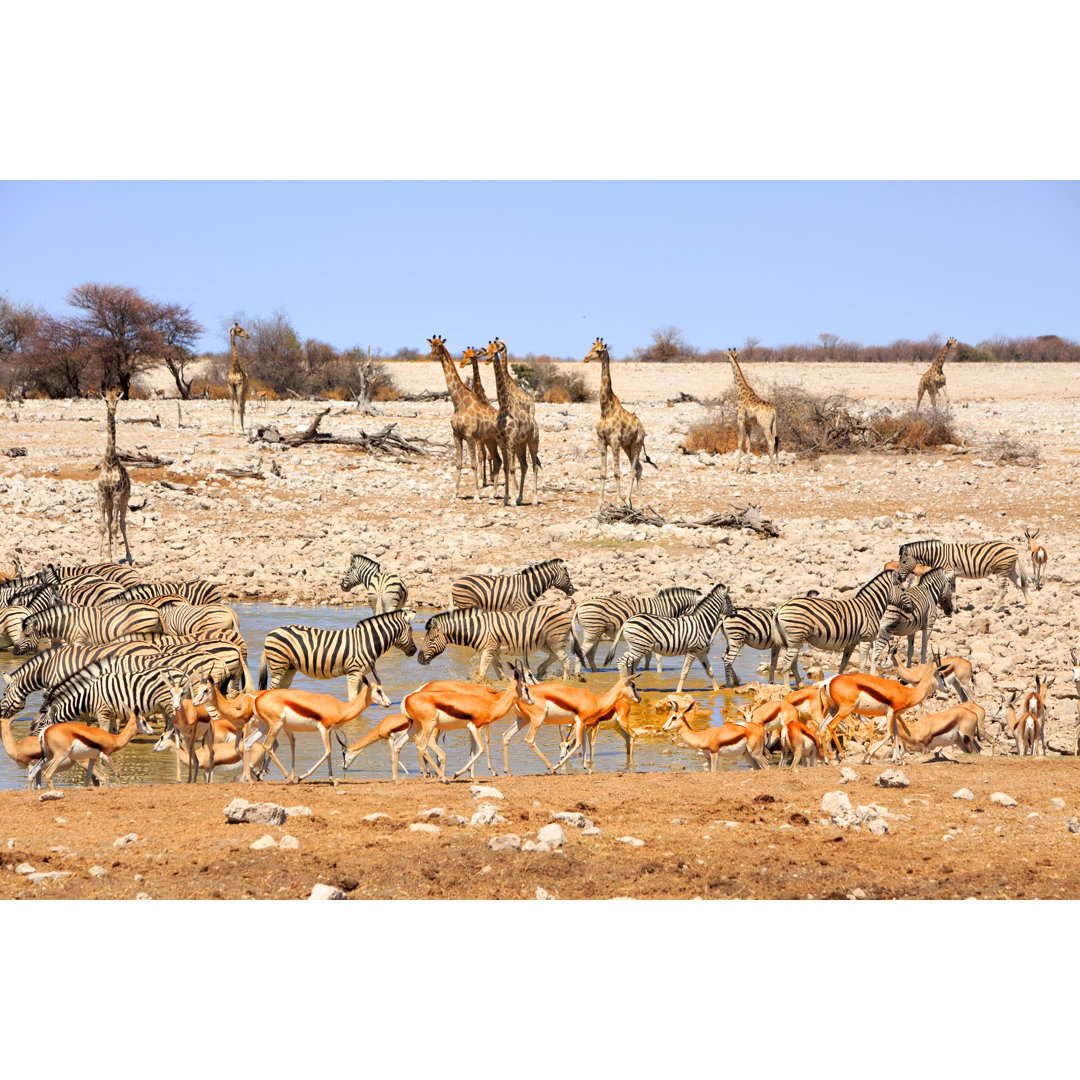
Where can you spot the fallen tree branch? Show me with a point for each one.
(14, 451)
(617, 515)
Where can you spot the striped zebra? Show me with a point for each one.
(386, 591)
(89, 626)
(916, 611)
(111, 571)
(990, 559)
(90, 591)
(53, 666)
(326, 654)
(11, 628)
(601, 617)
(108, 697)
(689, 636)
(194, 592)
(492, 633)
(510, 592)
(837, 625)
(751, 626)
(195, 619)
(220, 661)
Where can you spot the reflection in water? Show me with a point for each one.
(137, 763)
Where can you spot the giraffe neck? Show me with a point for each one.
(478, 386)
(607, 396)
(111, 457)
(236, 369)
(744, 386)
(460, 395)
(939, 360)
(501, 387)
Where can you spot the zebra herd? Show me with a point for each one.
(123, 646)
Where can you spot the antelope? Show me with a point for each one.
(288, 711)
(225, 756)
(237, 711)
(434, 711)
(955, 726)
(871, 695)
(557, 703)
(25, 751)
(798, 740)
(14, 572)
(74, 743)
(1038, 557)
(394, 729)
(726, 739)
(1031, 725)
(955, 671)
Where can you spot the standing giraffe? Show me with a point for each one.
(933, 380)
(473, 422)
(752, 412)
(521, 403)
(238, 380)
(617, 429)
(114, 486)
(518, 435)
(471, 355)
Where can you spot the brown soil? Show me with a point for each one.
(778, 849)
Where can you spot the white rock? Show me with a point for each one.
(47, 875)
(125, 841)
(1002, 799)
(263, 843)
(1057, 804)
(288, 843)
(633, 841)
(98, 871)
(531, 845)
(375, 817)
(838, 806)
(573, 818)
(891, 778)
(551, 834)
(24, 868)
(848, 775)
(592, 830)
(48, 796)
(542, 894)
(1073, 825)
(322, 891)
(421, 826)
(484, 791)
(486, 815)
(298, 811)
(879, 826)
(435, 811)
(963, 793)
(506, 842)
(142, 896)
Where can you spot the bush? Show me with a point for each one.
(540, 376)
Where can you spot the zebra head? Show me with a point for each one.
(947, 591)
(361, 571)
(434, 642)
(562, 577)
(31, 636)
(404, 640)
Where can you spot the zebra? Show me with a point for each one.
(91, 591)
(510, 592)
(988, 559)
(89, 626)
(916, 610)
(601, 617)
(491, 633)
(688, 635)
(183, 619)
(325, 654)
(108, 696)
(838, 625)
(220, 661)
(11, 628)
(111, 571)
(194, 592)
(751, 626)
(53, 666)
(386, 590)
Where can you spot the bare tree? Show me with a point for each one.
(667, 346)
(749, 347)
(179, 332)
(828, 345)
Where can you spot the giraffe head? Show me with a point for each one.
(467, 356)
(495, 348)
(438, 347)
(238, 331)
(951, 343)
(598, 350)
(112, 396)
(733, 354)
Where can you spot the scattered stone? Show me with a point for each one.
(963, 793)
(856, 894)
(592, 830)
(126, 841)
(484, 791)
(298, 811)
(61, 821)
(573, 818)
(848, 775)
(139, 879)
(879, 826)
(1002, 799)
(48, 796)
(487, 815)
(142, 896)
(435, 811)
(322, 891)
(98, 871)
(531, 845)
(892, 778)
(47, 875)
(1073, 825)
(288, 843)
(633, 841)
(947, 837)
(485, 869)
(241, 812)
(552, 834)
(676, 821)
(375, 817)
(24, 868)
(506, 842)
(542, 894)
(1057, 804)
(421, 826)
(263, 843)
(838, 806)
(454, 819)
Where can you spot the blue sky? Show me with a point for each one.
(550, 265)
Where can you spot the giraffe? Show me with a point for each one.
(933, 380)
(114, 486)
(518, 435)
(520, 402)
(238, 380)
(471, 355)
(752, 412)
(473, 421)
(617, 430)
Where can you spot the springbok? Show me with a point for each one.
(394, 729)
(1038, 557)
(725, 739)
(955, 726)
(955, 672)
(226, 757)
(73, 743)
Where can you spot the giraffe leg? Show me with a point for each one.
(459, 445)
(603, 473)
(121, 513)
(618, 473)
(522, 466)
(534, 456)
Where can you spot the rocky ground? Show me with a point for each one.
(288, 535)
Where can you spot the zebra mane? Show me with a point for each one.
(876, 580)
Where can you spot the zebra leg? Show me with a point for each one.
(685, 671)
(790, 663)
(703, 656)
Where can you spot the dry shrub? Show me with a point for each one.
(541, 376)
(557, 395)
(384, 392)
(715, 436)
(212, 390)
(913, 430)
(1009, 451)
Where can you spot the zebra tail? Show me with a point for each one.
(778, 632)
(264, 676)
(577, 647)
(614, 645)
(1023, 572)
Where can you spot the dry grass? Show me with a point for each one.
(1009, 451)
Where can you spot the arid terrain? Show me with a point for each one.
(288, 535)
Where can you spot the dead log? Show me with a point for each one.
(744, 517)
(616, 515)
(14, 451)
(153, 420)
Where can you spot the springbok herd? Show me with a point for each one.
(124, 651)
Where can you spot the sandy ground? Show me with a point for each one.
(289, 537)
(738, 834)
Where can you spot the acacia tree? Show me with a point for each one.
(18, 325)
(667, 346)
